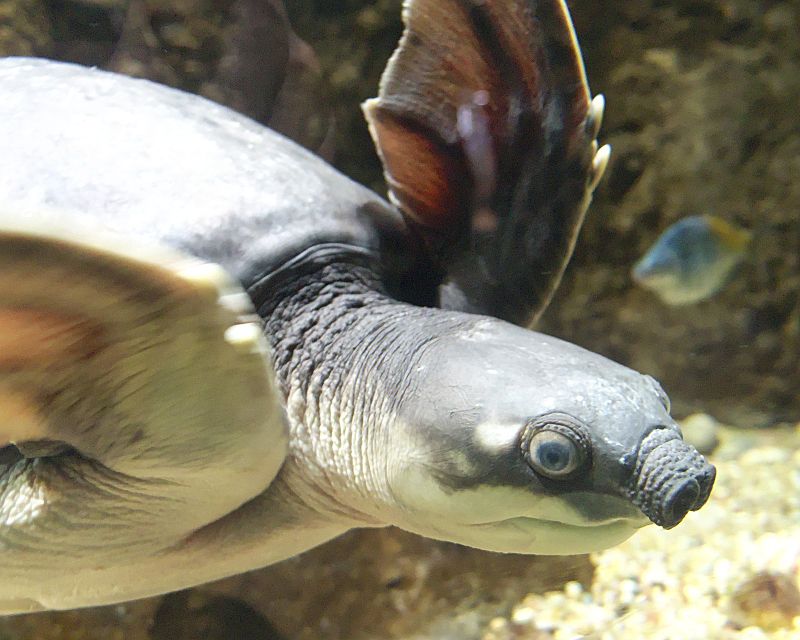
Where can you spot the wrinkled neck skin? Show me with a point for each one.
(337, 343)
(344, 352)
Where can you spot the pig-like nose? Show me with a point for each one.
(670, 478)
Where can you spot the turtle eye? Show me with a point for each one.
(553, 454)
(556, 445)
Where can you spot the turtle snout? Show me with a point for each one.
(670, 478)
(686, 494)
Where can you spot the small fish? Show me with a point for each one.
(692, 259)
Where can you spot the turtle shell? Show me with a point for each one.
(133, 157)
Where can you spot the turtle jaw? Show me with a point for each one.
(555, 526)
(514, 519)
(574, 523)
(552, 537)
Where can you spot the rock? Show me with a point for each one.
(767, 600)
(24, 29)
(701, 431)
(189, 615)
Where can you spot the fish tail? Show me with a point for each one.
(734, 238)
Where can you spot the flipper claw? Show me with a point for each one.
(599, 164)
(595, 118)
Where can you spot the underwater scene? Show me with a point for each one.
(498, 338)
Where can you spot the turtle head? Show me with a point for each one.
(524, 443)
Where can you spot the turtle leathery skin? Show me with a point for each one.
(218, 352)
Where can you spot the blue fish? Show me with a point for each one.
(692, 259)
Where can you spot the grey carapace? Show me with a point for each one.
(218, 352)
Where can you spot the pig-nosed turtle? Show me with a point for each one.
(218, 352)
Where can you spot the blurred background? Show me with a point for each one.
(702, 114)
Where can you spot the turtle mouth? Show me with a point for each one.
(523, 522)
(527, 534)
(580, 510)
(584, 513)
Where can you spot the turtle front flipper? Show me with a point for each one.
(486, 130)
(136, 407)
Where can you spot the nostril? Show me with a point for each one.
(706, 480)
(682, 500)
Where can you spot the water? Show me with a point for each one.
(702, 117)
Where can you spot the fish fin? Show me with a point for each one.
(486, 131)
(734, 238)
